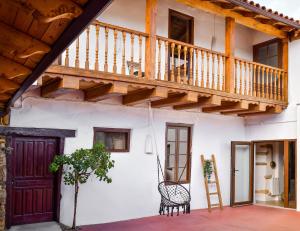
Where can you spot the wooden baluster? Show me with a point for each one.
(202, 68)
(267, 82)
(245, 78)
(280, 75)
(254, 90)
(140, 56)
(115, 51)
(77, 53)
(263, 82)
(106, 50)
(166, 61)
(158, 61)
(258, 81)
(173, 62)
(67, 57)
(131, 53)
(207, 84)
(191, 76)
(213, 71)
(224, 77)
(179, 63)
(97, 48)
(271, 83)
(197, 68)
(236, 77)
(250, 79)
(184, 64)
(275, 85)
(218, 71)
(124, 53)
(87, 49)
(241, 77)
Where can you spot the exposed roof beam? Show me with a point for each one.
(142, 95)
(105, 91)
(214, 100)
(91, 9)
(176, 99)
(270, 110)
(249, 22)
(227, 106)
(7, 85)
(11, 69)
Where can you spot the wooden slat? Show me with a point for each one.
(10, 69)
(7, 85)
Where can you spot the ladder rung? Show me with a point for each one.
(212, 182)
(213, 193)
(215, 205)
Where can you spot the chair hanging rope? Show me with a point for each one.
(173, 195)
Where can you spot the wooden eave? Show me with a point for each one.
(251, 15)
(32, 35)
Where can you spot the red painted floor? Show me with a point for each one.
(247, 218)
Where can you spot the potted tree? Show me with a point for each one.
(80, 165)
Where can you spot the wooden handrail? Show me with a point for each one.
(190, 45)
(119, 28)
(260, 64)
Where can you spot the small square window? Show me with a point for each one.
(114, 139)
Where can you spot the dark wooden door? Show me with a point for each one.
(32, 185)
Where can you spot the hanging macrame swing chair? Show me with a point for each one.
(174, 196)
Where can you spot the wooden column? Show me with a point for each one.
(285, 62)
(229, 51)
(150, 26)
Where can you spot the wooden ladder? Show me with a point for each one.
(208, 182)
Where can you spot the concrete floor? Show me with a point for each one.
(246, 218)
(46, 226)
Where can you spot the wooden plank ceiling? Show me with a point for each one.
(29, 31)
(251, 15)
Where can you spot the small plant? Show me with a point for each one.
(207, 169)
(80, 165)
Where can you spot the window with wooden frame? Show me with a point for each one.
(268, 53)
(178, 153)
(114, 139)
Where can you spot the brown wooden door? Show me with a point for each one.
(32, 185)
(242, 168)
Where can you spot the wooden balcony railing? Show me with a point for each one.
(113, 49)
(258, 80)
(188, 64)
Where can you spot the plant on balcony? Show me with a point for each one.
(207, 169)
(80, 165)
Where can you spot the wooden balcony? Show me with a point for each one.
(108, 61)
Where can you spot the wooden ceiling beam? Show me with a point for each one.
(47, 11)
(176, 99)
(4, 97)
(252, 108)
(227, 106)
(143, 95)
(214, 100)
(16, 43)
(10, 69)
(246, 21)
(7, 85)
(105, 91)
(59, 86)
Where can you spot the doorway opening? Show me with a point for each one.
(264, 173)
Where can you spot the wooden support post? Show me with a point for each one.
(151, 11)
(285, 58)
(229, 51)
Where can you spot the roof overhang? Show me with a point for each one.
(32, 35)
